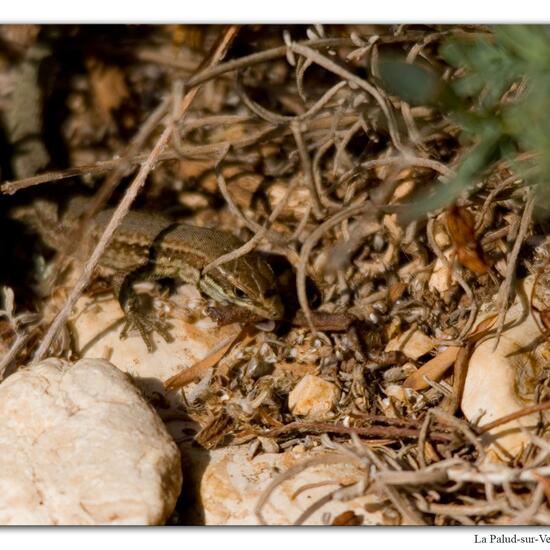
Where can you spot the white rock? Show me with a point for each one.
(313, 397)
(96, 327)
(413, 343)
(230, 484)
(502, 381)
(79, 445)
(442, 274)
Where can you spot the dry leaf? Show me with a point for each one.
(435, 368)
(482, 328)
(230, 170)
(299, 370)
(461, 227)
(297, 203)
(243, 186)
(413, 343)
(194, 168)
(186, 376)
(323, 320)
(234, 132)
(396, 291)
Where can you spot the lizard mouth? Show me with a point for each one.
(270, 307)
(273, 309)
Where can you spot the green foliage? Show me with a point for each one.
(502, 102)
(415, 83)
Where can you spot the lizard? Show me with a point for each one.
(147, 246)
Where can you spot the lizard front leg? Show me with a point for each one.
(135, 311)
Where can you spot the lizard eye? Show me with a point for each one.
(240, 293)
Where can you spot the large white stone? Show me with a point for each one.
(501, 381)
(230, 484)
(79, 445)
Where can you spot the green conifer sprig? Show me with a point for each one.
(501, 101)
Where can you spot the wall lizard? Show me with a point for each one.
(149, 247)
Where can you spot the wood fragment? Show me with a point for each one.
(186, 376)
(435, 368)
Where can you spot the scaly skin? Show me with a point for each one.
(147, 247)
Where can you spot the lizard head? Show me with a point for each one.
(248, 282)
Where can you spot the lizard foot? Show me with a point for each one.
(146, 324)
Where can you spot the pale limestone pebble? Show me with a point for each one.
(413, 343)
(441, 278)
(96, 326)
(80, 446)
(502, 381)
(229, 484)
(313, 397)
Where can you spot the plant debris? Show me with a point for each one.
(297, 140)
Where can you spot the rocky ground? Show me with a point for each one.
(407, 383)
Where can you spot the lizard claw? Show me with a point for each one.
(146, 324)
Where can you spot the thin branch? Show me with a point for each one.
(275, 118)
(120, 212)
(330, 65)
(506, 286)
(258, 236)
(513, 416)
(308, 245)
(20, 341)
(386, 432)
(306, 169)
